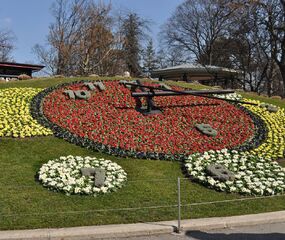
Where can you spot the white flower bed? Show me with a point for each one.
(230, 96)
(64, 175)
(253, 175)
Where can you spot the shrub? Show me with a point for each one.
(276, 97)
(24, 77)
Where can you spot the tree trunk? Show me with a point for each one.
(282, 71)
(268, 75)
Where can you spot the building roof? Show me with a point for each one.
(194, 69)
(33, 67)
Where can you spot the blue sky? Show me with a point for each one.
(30, 19)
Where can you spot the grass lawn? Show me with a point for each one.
(24, 203)
(45, 82)
(277, 102)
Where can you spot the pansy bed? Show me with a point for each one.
(274, 145)
(66, 174)
(15, 118)
(251, 174)
(108, 121)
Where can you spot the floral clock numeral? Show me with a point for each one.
(84, 94)
(70, 94)
(79, 94)
(92, 86)
(100, 86)
(206, 129)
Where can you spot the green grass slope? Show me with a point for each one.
(149, 195)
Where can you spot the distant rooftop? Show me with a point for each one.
(33, 67)
(195, 68)
(13, 70)
(194, 72)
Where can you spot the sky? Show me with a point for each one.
(29, 20)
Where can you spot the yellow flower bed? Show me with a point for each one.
(15, 117)
(273, 147)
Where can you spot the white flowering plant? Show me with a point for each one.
(229, 96)
(254, 175)
(64, 175)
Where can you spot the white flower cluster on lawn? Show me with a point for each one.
(64, 175)
(254, 175)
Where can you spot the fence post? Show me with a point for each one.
(179, 206)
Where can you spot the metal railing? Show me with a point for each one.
(183, 200)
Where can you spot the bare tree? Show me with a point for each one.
(246, 51)
(65, 32)
(169, 57)
(196, 25)
(6, 45)
(271, 15)
(245, 35)
(48, 57)
(96, 41)
(80, 40)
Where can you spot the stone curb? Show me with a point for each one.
(234, 221)
(142, 229)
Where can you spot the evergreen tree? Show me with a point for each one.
(149, 58)
(133, 31)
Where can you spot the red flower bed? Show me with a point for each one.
(110, 118)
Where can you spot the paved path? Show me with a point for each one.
(274, 231)
(255, 226)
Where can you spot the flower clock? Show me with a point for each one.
(108, 121)
(227, 147)
(66, 175)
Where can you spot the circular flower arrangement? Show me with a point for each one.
(108, 122)
(253, 175)
(15, 117)
(65, 175)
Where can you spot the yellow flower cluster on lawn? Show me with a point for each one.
(15, 117)
(273, 146)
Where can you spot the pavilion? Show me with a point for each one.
(205, 74)
(9, 70)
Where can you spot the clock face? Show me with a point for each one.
(106, 119)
